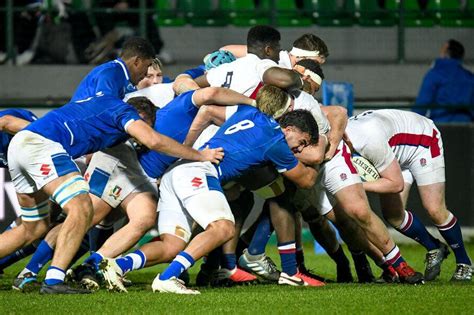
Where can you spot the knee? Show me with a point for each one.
(361, 214)
(223, 229)
(144, 223)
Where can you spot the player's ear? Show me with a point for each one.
(268, 50)
(136, 61)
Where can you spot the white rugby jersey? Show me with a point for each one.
(159, 94)
(284, 60)
(243, 75)
(307, 101)
(383, 135)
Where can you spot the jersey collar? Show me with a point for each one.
(124, 67)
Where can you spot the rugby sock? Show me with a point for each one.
(451, 232)
(54, 276)
(17, 256)
(94, 259)
(339, 256)
(299, 256)
(132, 261)
(229, 261)
(42, 255)
(393, 257)
(182, 262)
(261, 236)
(414, 229)
(98, 235)
(287, 253)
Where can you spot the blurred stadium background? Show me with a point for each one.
(382, 47)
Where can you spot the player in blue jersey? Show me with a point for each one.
(40, 163)
(120, 76)
(192, 192)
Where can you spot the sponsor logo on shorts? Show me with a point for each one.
(343, 176)
(115, 192)
(196, 182)
(45, 169)
(423, 162)
(179, 231)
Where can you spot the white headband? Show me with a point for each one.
(314, 76)
(304, 53)
(280, 112)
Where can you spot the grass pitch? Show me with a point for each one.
(436, 297)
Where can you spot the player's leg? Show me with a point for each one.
(433, 199)
(354, 201)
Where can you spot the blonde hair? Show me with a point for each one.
(270, 99)
(157, 64)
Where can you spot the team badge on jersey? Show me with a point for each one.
(115, 192)
(343, 176)
(423, 162)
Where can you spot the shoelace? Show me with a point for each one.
(461, 271)
(407, 271)
(180, 284)
(269, 264)
(431, 259)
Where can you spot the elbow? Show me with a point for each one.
(398, 187)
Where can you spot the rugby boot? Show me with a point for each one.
(62, 288)
(237, 276)
(463, 273)
(407, 275)
(363, 269)
(172, 285)
(26, 283)
(434, 259)
(299, 279)
(261, 265)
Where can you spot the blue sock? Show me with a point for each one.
(132, 261)
(394, 257)
(17, 256)
(414, 229)
(98, 235)
(287, 253)
(54, 276)
(94, 259)
(229, 261)
(451, 232)
(261, 236)
(43, 254)
(182, 262)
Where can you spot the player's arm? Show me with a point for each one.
(11, 124)
(237, 50)
(184, 83)
(207, 115)
(161, 143)
(283, 78)
(313, 154)
(337, 116)
(202, 81)
(390, 181)
(220, 96)
(302, 175)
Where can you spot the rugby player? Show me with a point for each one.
(408, 147)
(40, 163)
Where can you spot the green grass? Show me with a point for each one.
(436, 297)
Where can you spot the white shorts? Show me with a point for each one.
(115, 173)
(334, 175)
(427, 164)
(189, 193)
(35, 161)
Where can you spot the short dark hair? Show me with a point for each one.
(262, 35)
(311, 42)
(303, 120)
(455, 49)
(137, 47)
(144, 106)
(312, 65)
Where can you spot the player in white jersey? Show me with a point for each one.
(307, 46)
(403, 147)
(245, 75)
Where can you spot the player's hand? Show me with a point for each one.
(212, 155)
(330, 152)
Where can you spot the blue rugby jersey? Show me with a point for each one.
(250, 138)
(111, 79)
(174, 121)
(87, 126)
(5, 137)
